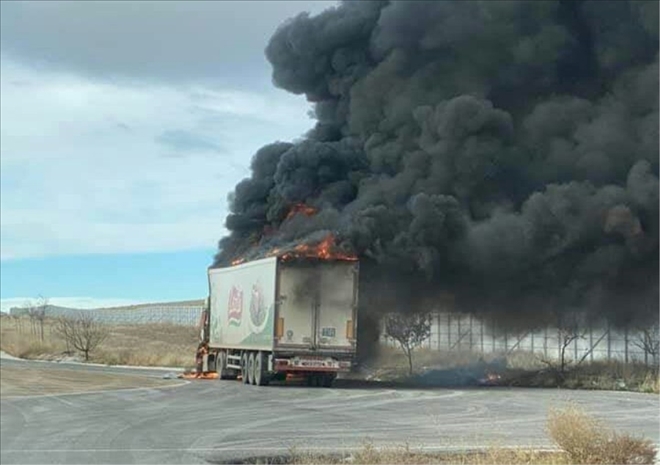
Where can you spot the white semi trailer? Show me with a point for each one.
(276, 316)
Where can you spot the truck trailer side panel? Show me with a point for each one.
(242, 305)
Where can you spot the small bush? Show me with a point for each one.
(587, 441)
(651, 384)
(628, 449)
(368, 453)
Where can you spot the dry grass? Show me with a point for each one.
(149, 345)
(369, 454)
(650, 384)
(587, 441)
(19, 338)
(146, 345)
(605, 375)
(520, 369)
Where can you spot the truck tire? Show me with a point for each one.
(244, 368)
(260, 375)
(221, 365)
(250, 369)
(328, 380)
(314, 380)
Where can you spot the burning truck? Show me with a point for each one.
(293, 312)
(503, 152)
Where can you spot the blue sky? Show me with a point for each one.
(113, 278)
(123, 128)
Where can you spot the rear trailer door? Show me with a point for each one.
(296, 302)
(317, 305)
(335, 319)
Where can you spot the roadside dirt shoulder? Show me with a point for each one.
(45, 379)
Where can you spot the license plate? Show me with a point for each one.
(313, 364)
(328, 332)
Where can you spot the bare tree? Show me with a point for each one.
(18, 322)
(40, 315)
(568, 330)
(82, 332)
(648, 340)
(37, 314)
(31, 312)
(409, 330)
(568, 334)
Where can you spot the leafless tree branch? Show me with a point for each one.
(82, 332)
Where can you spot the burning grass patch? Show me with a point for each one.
(517, 369)
(390, 364)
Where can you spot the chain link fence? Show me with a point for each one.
(451, 332)
(179, 313)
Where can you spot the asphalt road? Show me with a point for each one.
(217, 421)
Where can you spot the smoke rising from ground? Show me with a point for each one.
(505, 153)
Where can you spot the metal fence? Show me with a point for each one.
(450, 332)
(466, 333)
(184, 313)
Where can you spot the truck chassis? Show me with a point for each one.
(259, 367)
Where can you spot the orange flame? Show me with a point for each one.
(493, 377)
(273, 252)
(301, 208)
(209, 375)
(324, 250)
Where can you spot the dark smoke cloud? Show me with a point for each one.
(505, 153)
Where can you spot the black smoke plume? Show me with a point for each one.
(504, 153)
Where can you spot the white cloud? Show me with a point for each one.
(85, 167)
(180, 41)
(70, 302)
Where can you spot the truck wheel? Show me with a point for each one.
(221, 365)
(250, 369)
(244, 368)
(260, 375)
(328, 380)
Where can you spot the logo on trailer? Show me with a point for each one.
(258, 310)
(235, 306)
